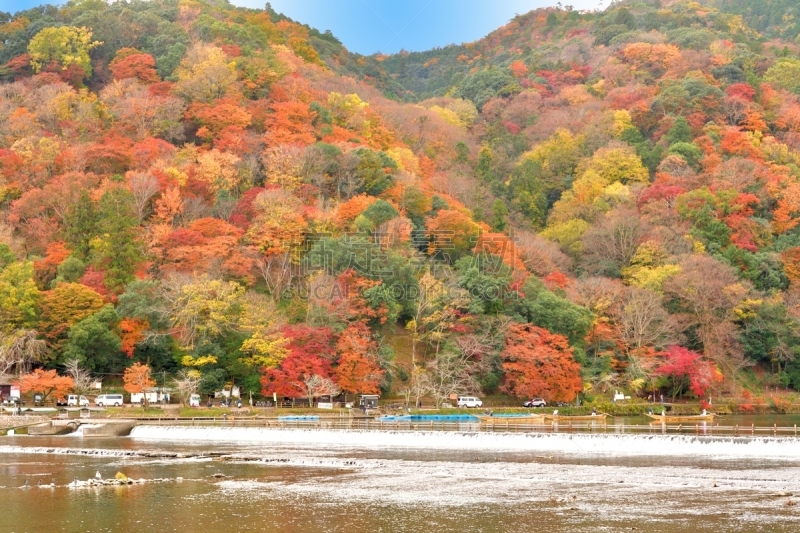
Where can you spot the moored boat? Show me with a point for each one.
(708, 417)
(511, 419)
(599, 417)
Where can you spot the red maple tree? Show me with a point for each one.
(688, 370)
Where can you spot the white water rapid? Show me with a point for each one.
(656, 445)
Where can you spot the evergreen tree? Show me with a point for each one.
(499, 214)
(94, 342)
(680, 132)
(118, 249)
(485, 168)
(81, 226)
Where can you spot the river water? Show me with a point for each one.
(307, 480)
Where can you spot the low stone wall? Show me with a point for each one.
(19, 423)
(54, 427)
(107, 429)
(11, 421)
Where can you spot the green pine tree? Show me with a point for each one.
(118, 249)
(81, 226)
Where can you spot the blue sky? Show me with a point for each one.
(368, 26)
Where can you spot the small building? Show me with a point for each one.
(619, 396)
(228, 391)
(154, 395)
(78, 412)
(368, 401)
(9, 391)
(325, 402)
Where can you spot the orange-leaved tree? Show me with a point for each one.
(290, 123)
(132, 332)
(46, 382)
(357, 369)
(137, 379)
(130, 63)
(453, 233)
(539, 363)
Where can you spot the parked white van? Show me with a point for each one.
(469, 401)
(73, 400)
(194, 400)
(104, 400)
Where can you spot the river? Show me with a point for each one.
(304, 480)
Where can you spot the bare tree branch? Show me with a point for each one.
(19, 349)
(83, 381)
(317, 386)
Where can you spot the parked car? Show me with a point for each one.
(73, 400)
(535, 402)
(194, 400)
(469, 401)
(105, 400)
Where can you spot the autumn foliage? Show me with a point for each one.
(234, 194)
(357, 369)
(135, 65)
(46, 382)
(137, 379)
(537, 363)
(687, 369)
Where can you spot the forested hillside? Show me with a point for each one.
(576, 203)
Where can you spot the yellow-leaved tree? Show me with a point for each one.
(266, 347)
(621, 121)
(649, 268)
(203, 308)
(283, 165)
(345, 107)
(568, 234)
(447, 115)
(66, 45)
(601, 186)
(279, 224)
(220, 170)
(558, 156)
(205, 74)
(617, 163)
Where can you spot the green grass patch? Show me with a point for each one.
(214, 412)
(125, 412)
(308, 411)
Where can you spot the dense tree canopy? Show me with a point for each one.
(575, 200)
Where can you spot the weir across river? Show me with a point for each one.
(424, 438)
(611, 426)
(720, 428)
